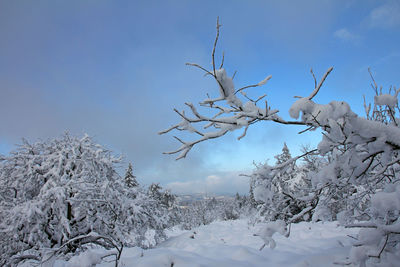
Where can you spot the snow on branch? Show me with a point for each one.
(234, 113)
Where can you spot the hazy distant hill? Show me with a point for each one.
(189, 198)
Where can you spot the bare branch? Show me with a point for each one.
(374, 86)
(244, 133)
(215, 45)
(200, 67)
(168, 130)
(315, 92)
(177, 138)
(222, 61)
(260, 98)
(245, 87)
(307, 129)
(254, 85)
(234, 74)
(315, 79)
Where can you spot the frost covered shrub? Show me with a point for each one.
(360, 176)
(67, 189)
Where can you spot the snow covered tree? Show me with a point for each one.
(205, 211)
(362, 174)
(168, 199)
(130, 179)
(252, 200)
(243, 207)
(280, 189)
(58, 195)
(239, 201)
(284, 156)
(164, 198)
(154, 191)
(195, 215)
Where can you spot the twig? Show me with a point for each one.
(200, 67)
(234, 74)
(315, 79)
(244, 133)
(315, 92)
(245, 87)
(215, 45)
(222, 61)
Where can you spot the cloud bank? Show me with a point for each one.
(228, 182)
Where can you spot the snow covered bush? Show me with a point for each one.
(60, 194)
(361, 175)
(269, 229)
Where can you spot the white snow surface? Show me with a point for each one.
(233, 243)
(386, 99)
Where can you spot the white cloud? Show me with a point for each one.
(346, 35)
(228, 182)
(213, 180)
(385, 16)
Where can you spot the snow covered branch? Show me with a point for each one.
(234, 113)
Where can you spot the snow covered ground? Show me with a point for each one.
(232, 243)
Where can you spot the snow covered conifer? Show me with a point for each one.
(164, 198)
(168, 199)
(284, 156)
(130, 179)
(252, 200)
(154, 191)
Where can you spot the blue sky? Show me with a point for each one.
(116, 69)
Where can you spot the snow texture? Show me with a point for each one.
(386, 99)
(232, 243)
(227, 88)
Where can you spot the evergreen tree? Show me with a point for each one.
(130, 179)
(238, 200)
(284, 156)
(168, 199)
(252, 200)
(154, 192)
(164, 198)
